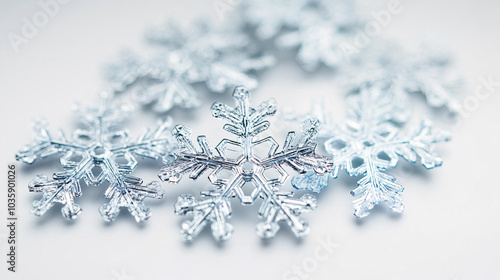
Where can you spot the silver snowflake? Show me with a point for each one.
(369, 143)
(219, 57)
(429, 71)
(98, 152)
(248, 162)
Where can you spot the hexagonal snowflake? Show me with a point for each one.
(238, 166)
(96, 153)
(369, 143)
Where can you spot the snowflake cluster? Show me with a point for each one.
(220, 58)
(248, 168)
(95, 153)
(371, 142)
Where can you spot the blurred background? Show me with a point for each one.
(451, 223)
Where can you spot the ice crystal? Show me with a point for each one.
(370, 143)
(428, 71)
(263, 173)
(96, 153)
(219, 57)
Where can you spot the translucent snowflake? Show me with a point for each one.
(429, 71)
(219, 57)
(323, 34)
(270, 17)
(246, 163)
(98, 152)
(319, 30)
(371, 142)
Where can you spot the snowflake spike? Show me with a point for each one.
(246, 170)
(97, 146)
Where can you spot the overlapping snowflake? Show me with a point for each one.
(233, 176)
(371, 142)
(220, 58)
(98, 152)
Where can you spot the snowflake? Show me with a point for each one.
(323, 34)
(96, 153)
(270, 17)
(319, 30)
(219, 57)
(238, 165)
(370, 143)
(428, 71)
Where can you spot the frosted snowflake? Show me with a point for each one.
(270, 17)
(323, 34)
(98, 152)
(320, 30)
(219, 57)
(370, 143)
(429, 71)
(246, 163)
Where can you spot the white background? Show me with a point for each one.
(450, 228)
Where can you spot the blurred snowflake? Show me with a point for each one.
(371, 142)
(429, 71)
(320, 30)
(98, 152)
(247, 162)
(270, 17)
(219, 57)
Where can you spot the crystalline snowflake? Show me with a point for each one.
(370, 143)
(96, 153)
(428, 71)
(237, 165)
(219, 57)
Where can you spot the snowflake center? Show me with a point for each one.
(248, 170)
(99, 152)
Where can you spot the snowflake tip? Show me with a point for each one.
(221, 231)
(311, 126)
(267, 230)
(311, 181)
(71, 212)
(241, 93)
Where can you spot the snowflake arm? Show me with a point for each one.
(246, 170)
(45, 145)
